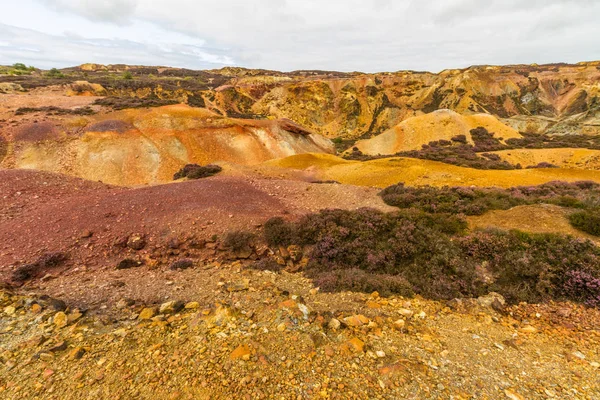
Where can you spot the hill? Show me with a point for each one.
(561, 157)
(139, 146)
(556, 98)
(388, 171)
(413, 133)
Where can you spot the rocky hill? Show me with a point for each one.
(556, 98)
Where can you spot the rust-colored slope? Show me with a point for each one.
(147, 146)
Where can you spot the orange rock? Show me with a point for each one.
(356, 345)
(356, 320)
(241, 352)
(373, 304)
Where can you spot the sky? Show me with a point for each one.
(286, 35)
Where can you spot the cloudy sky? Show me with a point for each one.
(344, 35)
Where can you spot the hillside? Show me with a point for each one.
(466, 266)
(562, 157)
(414, 132)
(388, 171)
(139, 146)
(558, 98)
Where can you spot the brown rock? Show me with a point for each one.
(136, 242)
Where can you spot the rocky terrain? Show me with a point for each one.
(123, 275)
(556, 98)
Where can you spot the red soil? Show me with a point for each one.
(43, 212)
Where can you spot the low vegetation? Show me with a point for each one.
(195, 171)
(121, 103)
(433, 255)
(52, 110)
(587, 221)
(478, 200)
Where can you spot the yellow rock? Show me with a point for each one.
(60, 319)
(528, 329)
(356, 320)
(147, 313)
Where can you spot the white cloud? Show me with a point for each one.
(367, 35)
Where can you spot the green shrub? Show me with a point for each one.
(127, 75)
(239, 240)
(277, 232)
(55, 73)
(587, 221)
(195, 171)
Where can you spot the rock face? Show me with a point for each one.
(555, 98)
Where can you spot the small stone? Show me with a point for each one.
(44, 356)
(60, 319)
(136, 242)
(564, 312)
(356, 344)
(36, 308)
(192, 305)
(128, 263)
(47, 278)
(147, 313)
(241, 352)
(579, 355)
(512, 395)
(9, 310)
(74, 316)
(334, 324)
(76, 353)
(380, 354)
(281, 327)
(171, 307)
(528, 329)
(60, 346)
(405, 312)
(356, 320)
(124, 303)
(399, 324)
(47, 373)
(238, 286)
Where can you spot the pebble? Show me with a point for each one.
(147, 313)
(334, 324)
(60, 319)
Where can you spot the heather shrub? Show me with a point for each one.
(357, 280)
(583, 287)
(432, 255)
(476, 201)
(277, 232)
(239, 240)
(195, 171)
(587, 221)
